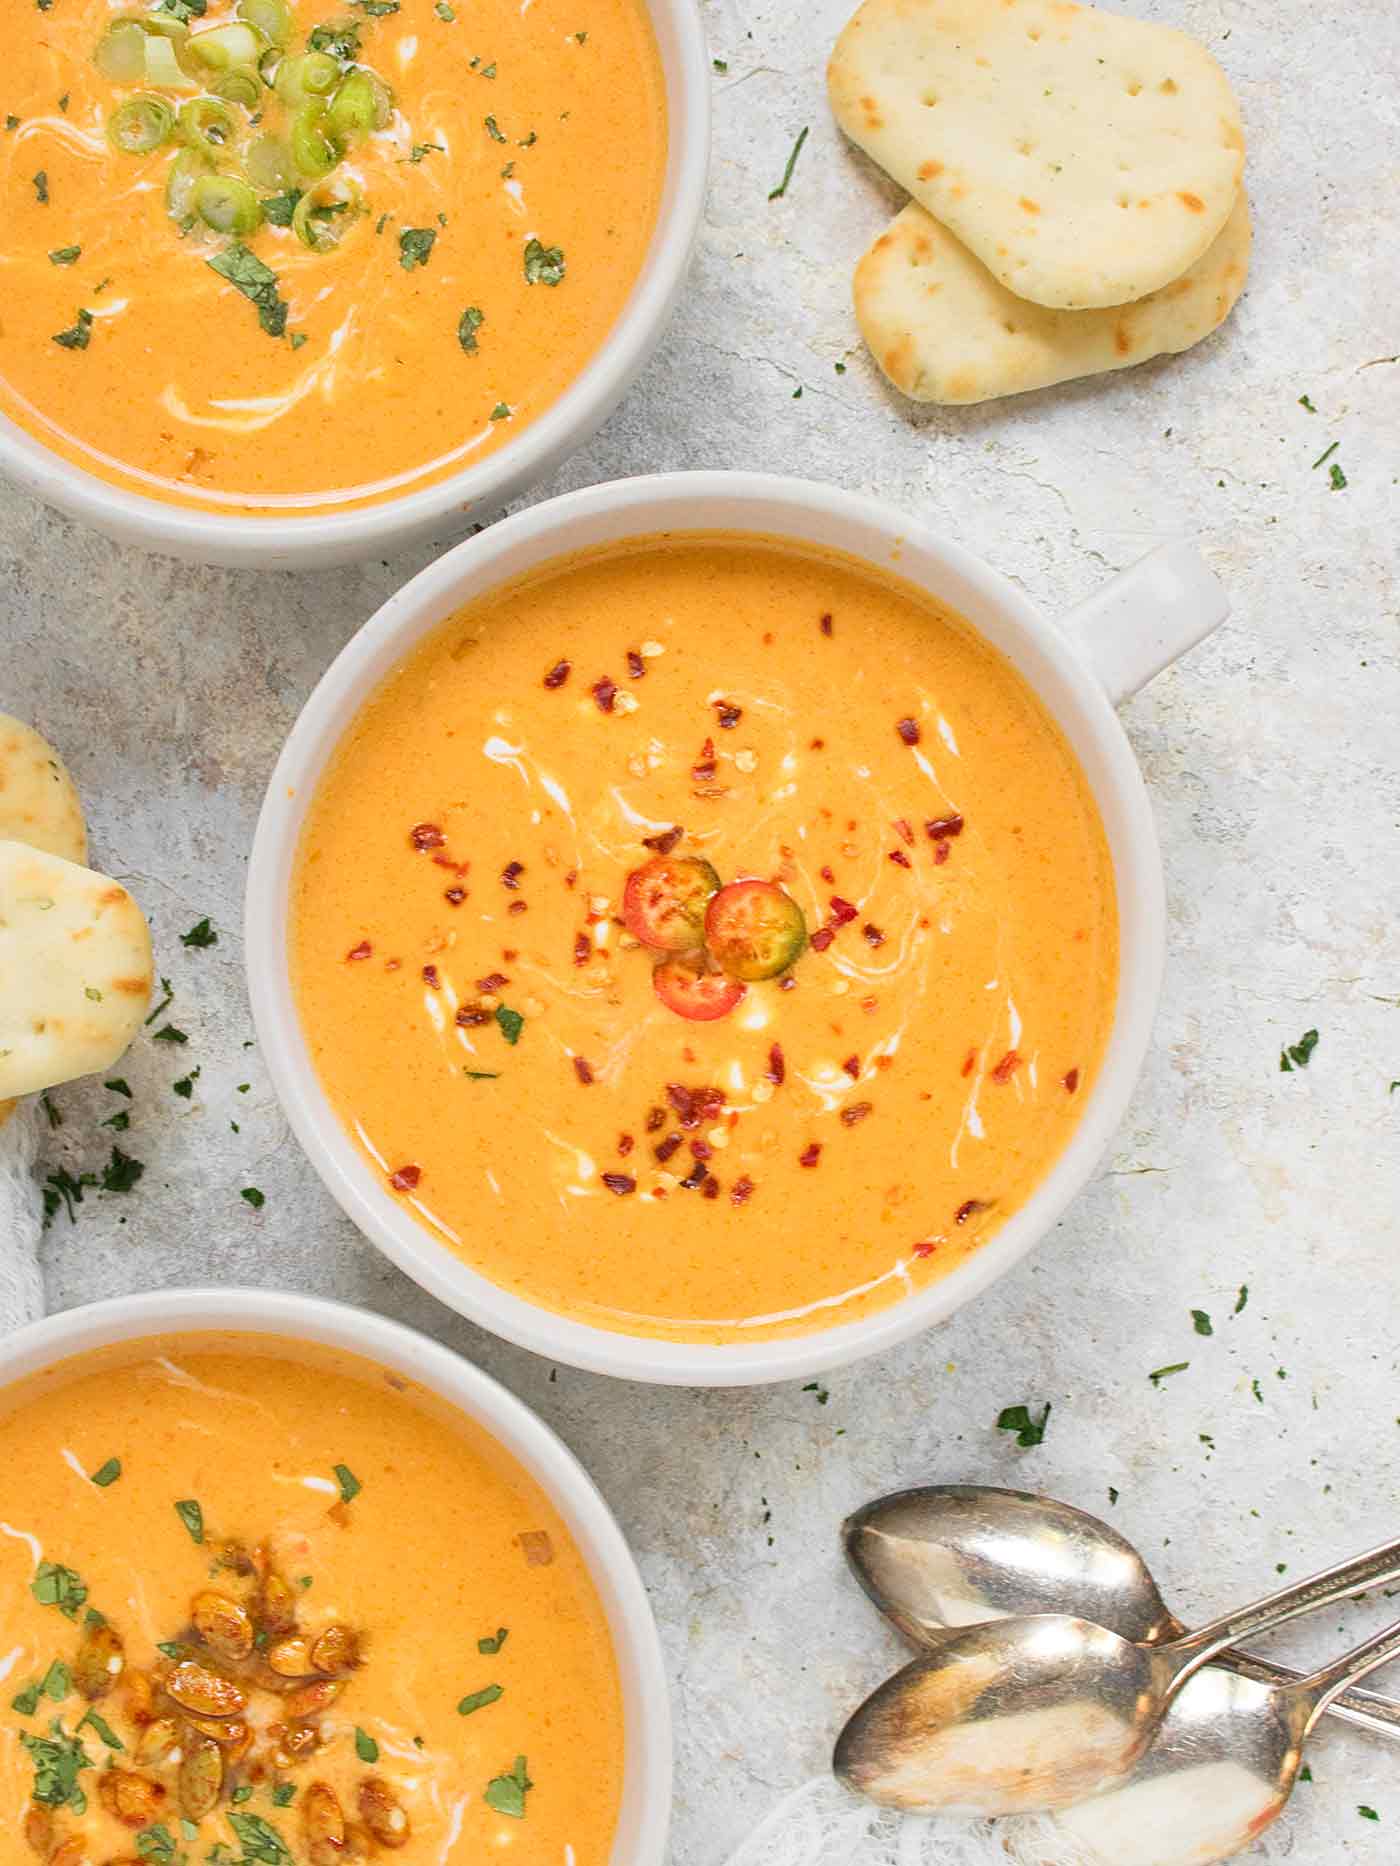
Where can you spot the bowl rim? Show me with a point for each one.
(630, 507)
(565, 424)
(644, 1817)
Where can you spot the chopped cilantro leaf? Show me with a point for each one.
(121, 1172)
(1242, 1298)
(257, 282)
(107, 1473)
(56, 1586)
(192, 1516)
(65, 255)
(254, 1197)
(544, 265)
(416, 246)
(282, 1794)
(1336, 478)
(468, 325)
(490, 1644)
(1298, 1055)
(444, 11)
(494, 131)
(506, 1793)
(721, 65)
(350, 1485)
(57, 1761)
(201, 934)
(365, 1746)
(119, 1086)
(821, 1392)
(1018, 1419)
(57, 1682)
(1201, 1322)
(478, 1700)
(511, 1023)
(1367, 1814)
(26, 1702)
(41, 188)
(63, 1191)
(1305, 401)
(79, 333)
(1162, 1373)
(169, 1033)
(501, 412)
(261, 1842)
(103, 1729)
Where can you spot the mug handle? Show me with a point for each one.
(1146, 617)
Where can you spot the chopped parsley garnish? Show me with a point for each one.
(420, 150)
(1162, 1373)
(279, 208)
(282, 1794)
(365, 1746)
(57, 1761)
(721, 65)
(1018, 1419)
(156, 1843)
(192, 1516)
(257, 282)
(169, 1033)
(478, 1700)
(501, 412)
(468, 325)
(506, 1793)
(62, 1190)
(79, 333)
(201, 934)
(121, 1172)
(1336, 478)
(482, 1075)
(1298, 1055)
(41, 188)
(350, 1485)
(254, 1197)
(341, 40)
(1305, 401)
(107, 1473)
(511, 1023)
(185, 1086)
(26, 1702)
(777, 193)
(494, 131)
(119, 1086)
(416, 246)
(57, 1682)
(1242, 1298)
(120, 1121)
(1367, 1814)
(168, 999)
(57, 1586)
(1326, 454)
(104, 1730)
(821, 1392)
(65, 255)
(261, 1842)
(1201, 1322)
(376, 9)
(444, 11)
(544, 265)
(490, 1644)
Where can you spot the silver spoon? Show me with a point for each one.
(1039, 1711)
(1220, 1768)
(950, 1555)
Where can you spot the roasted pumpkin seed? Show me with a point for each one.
(290, 1658)
(201, 1776)
(38, 1831)
(132, 1799)
(382, 1812)
(312, 1699)
(100, 1662)
(206, 1693)
(156, 1740)
(224, 1624)
(323, 1825)
(335, 1651)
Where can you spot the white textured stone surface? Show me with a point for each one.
(1272, 759)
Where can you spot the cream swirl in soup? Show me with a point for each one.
(707, 939)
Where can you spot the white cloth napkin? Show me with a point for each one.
(822, 1824)
(21, 1286)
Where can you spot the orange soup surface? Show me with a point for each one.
(300, 256)
(706, 939)
(263, 1602)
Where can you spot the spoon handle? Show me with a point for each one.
(1378, 1566)
(1323, 1686)
(1367, 1710)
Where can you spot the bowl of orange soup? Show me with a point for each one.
(290, 282)
(708, 927)
(283, 1581)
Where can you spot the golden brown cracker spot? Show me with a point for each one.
(1030, 207)
(1193, 201)
(928, 170)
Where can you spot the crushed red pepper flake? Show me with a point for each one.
(827, 876)
(703, 770)
(558, 674)
(636, 666)
(469, 1016)
(666, 841)
(625, 1144)
(511, 873)
(571, 879)
(583, 949)
(1071, 1081)
(908, 730)
(925, 1247)
(583, 1069)
(425, 836)
(1007, 1067)
(810, 1154)
(604, 691)
(656, 1119)
(969, 1062)
(941, 852)
(777, 1065)
(406, 1178)
(818, 745)
(857, 1112)
(362, 951)
(821, 939)
(842, 912)
(942, 827)
(446, 861)
(620, 1183)
(904, 830)
(696, 1177)
(665, 1148)
(872, 935)
(693, 1106)
(787, 982)
(728, 714)
(710, 1189)
(900, 859)
(741, 1191)
(852, 1067)
(826, 624)
(518, 907)
(492, 982)
(969, 1209)
(430, 976)
(454, 896)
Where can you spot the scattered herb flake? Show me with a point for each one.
(1305, 401)
(444, 11)
(1298, 1055)
(261, 1842)
(65, 255)
(255, 1198)
(1201, 1322)
(721, 65)
(79, 333)
(1018, 1419)
(468, 325)
(1241, 1299)
(1165, 1373)
(501, 412)
(1367, 1814)
(511, 1023)
(365, 1746)
(185, 1086)
(821, 1392)
(57, 1761)
(282, 1794)
(490, 1644)
(494, 131)
(478, 1700)
(169, 1033)
(544, 265)
(104, 1730)
(192, 1516)
(506, 1793)
(56, 1586)
(1326, 454)
(257, 282)
(201, 934)
(41, 188)
(1336, 478)
(777, 193)
(350, 1485)
(26, 1702)
(121, 1172)
(106, 1474)
(416, 246)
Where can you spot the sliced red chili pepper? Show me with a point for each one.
(583, 949)
(821, 939)
(625, 1144)
(728, 714)
(904, 830)
(664, 902)
(690, 992)
(776, 1071)
(969, 1209)
(852, 1067)
(842, 911)
(558, 674)
(656, 1120)
(826, 625)
(710, 1189)
(925, 1247)
(430, 977)
(900, 859)
(491, 983)
(704, 767)
(511, 873)
(754, 929)
(872, 935)
(454, 896)
(665, 1148)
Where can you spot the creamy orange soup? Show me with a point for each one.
(640, 1138)
(338, 251)
(265, 1603)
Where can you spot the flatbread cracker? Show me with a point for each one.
(75, 970)
(1085, 158)
(944, 330)
(38, 800)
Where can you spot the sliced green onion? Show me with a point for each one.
(363, 103)
(308, 74)
(313, 151)
(140, 124)
(205, 123)
(185, 171)
(268, 163)
(268, 66)
(121, 52)
(226, 204)
(165, 26)
(240, 85)
(166, 61)
(221, 46)
(272, 18)
(324, 216)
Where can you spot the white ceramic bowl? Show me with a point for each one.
(646, 1792)
(1111, 645)
(392, 525)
